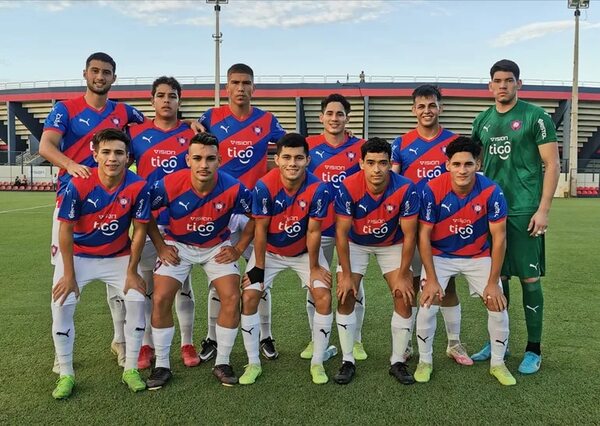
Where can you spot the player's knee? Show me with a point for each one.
(529, 280)
(322, 299)
(402, 309)
(250, 300)
(230, 301)
(450, 299)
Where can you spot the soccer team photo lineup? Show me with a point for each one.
(141, 201)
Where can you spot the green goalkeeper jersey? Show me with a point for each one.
(510, 152)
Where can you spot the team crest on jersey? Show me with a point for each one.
(351, 155)
(257, 130)
(123, 201)
(302, 204)
(116, 121)
(444, 149)
(181, 141)
(219, 205)
(389, 208)
(477, 208)
(516, 124)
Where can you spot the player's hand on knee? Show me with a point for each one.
(493, 298)
(134, 281)
(319, 274)
(402, 286)
(169, 255)
(344, 288)
(429, 292)
(63, 288)
(227, 254)
(255, 275)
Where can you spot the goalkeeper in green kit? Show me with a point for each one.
(517, 138)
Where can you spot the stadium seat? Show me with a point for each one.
(15, 188)
(28, 188)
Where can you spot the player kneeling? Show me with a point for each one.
(458, 210)
(94, 242)
(200, 202)
(288, 204)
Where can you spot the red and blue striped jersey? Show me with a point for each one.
(289, 213)
(461, 224)
(421, 159)
(77, 122)
(158, 153)
(375, 218)
(332, 164)
(102, 217)
(200, 220)
(243, 143)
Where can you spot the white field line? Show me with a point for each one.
(27, 208)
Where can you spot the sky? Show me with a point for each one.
(50, 40)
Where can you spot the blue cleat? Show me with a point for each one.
(484, 354)
(531, 363)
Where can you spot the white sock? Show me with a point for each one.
(346, 325)
(148, 277)
(452, 317)
(264, 312)
(250, 329)
(498, 329)
(401, 334)
(413, 313)
(163, 337)
(321, 334)
(426, 325)
(359, 311)
(225, 340)
(135, 326)
(63, 334)
(185, 308)
(310, 313)
(117, 312)
(214, 307)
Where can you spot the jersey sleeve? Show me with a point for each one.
(410, 202)
(396, 151)
(158, 195)
(134, 115)
(543, 127)
(70, 209)
(428, 212)
(262, 204)
(320, 201)
(497, 207)
(243, 203)
(277, 132)
(204, 120)
(58, 119)
(142, 204)
(344, 205)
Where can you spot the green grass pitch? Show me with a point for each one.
(563, 392)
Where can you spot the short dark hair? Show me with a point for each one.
(101, 56)
(463, 144)
(292, 140)
(205, 138)
(106, 135)
(376, 145)
(170, 81)
(505, 65)
(427, 90)
(240, 68)
(336, 97)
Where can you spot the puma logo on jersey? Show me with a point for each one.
(320, 153)
(486, 127)
(414, 150)
(185, 206)
(360, 206)
(534, 309)
(147, 139)
(87, 122)
(92, 202)
(447, 207)
(225, 128)
(279, 203)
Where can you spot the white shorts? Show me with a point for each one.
(110, 270)
(388, 257)
(328, 244)
(275, 263)
(54, 250)
(237, 223)
(475, 270)
(190, 256)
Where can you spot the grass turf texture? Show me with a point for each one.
(563, 392)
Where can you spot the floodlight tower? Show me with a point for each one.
(217, 36)
(573, 153)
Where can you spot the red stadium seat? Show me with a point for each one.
(15, 188)
(28, 188)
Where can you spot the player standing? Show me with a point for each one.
(66, 143)
(95, 214)
(459, 209)
(244, 133)
(518, 138)
(376, 213)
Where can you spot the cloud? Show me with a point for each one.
(537, 30)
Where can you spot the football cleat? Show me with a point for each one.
(531, 363)
(423, 372)
(225, 374)
(250, 375)
(133, 380)
(459, 354)
(358, 351)
(504, 376)
(307, 353)
(189, 356)
(400, 371)
(118, 349)
(346, 373)
(317, 372)
(267, 348)
(159, 377)
(64, 387)
(209, 349)
(484, 354)
(145, 357)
